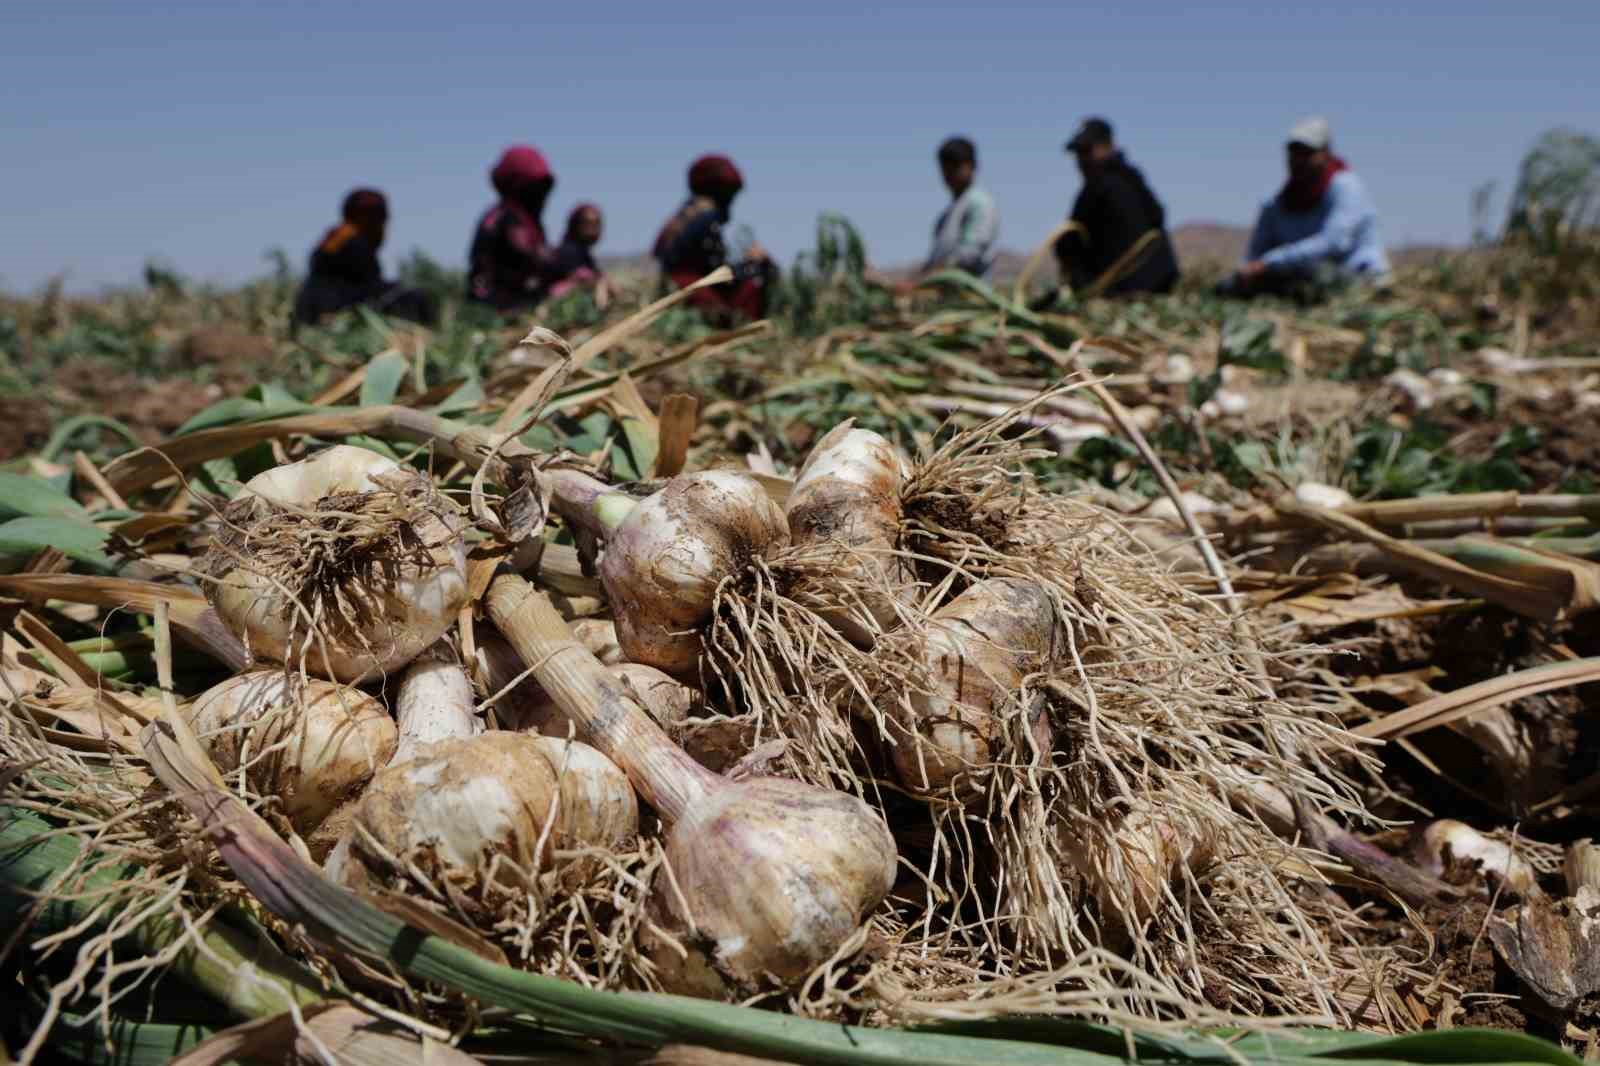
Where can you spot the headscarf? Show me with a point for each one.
(1301, 196)
(715, 176)
(523, 175)
(361, 205)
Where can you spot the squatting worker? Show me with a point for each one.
(510, 262)
(344, 269)
(1115, 209)
(693, 243)
(1320, 227)
(965, 232)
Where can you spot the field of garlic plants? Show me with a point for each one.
(901, 679)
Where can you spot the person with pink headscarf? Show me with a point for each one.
(510, 262)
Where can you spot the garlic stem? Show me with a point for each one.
(434, 703)
(596, 701)
(586, 502)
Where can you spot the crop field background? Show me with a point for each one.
(1407, 483)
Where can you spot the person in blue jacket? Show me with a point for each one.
(1322, 225)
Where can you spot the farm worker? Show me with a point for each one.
(965, 232)
(1321, 226)
(692, 244)
(573, 266)
(344, 268)
(1115, 210)
(509, 265)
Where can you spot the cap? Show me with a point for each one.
(1312, 132)
(1091, 131)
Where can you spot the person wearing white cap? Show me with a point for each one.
(1322, 225)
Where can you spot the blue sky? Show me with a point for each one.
(202, 134)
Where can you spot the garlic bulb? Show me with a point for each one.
(665, 559)
(1448, 845)
(347, 559)
(973, 655)
(475, 810)
(767, 878)
(847, 496)
(310, 743)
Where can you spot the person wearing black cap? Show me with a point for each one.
(345, 272)
(1115, 209)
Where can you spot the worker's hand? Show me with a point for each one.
(602, 292)
(1252, 271)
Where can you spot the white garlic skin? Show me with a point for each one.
(416, 610)
(336, 738)
(1447, 843)
(776, 875)
(664, 561)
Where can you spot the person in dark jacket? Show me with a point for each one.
(344, 268)
(510, 263)
(692, 244)
(1115, 209)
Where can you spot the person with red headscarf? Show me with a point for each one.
(509, 264)
(345, 272)
(692, 245)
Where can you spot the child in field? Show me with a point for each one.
(344, 268)
(965, 232)
(692, 244)
(573, 266)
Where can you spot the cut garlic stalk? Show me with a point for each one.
(434, 703)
